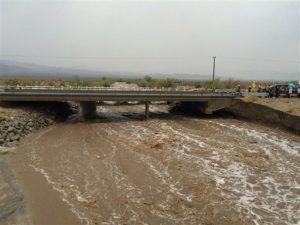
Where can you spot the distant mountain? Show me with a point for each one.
(18, 69)
(180, 76)
(21, 69)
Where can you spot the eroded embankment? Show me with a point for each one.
(29, 117)
(265, 115)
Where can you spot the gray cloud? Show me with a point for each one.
(257, 39)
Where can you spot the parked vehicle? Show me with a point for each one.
(282, 90)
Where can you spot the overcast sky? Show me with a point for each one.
(251, 39)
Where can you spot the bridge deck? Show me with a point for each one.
(100, 94)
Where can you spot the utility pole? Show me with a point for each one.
(213, 78)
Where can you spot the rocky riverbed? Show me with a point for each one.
(20, 119)
(14, 128)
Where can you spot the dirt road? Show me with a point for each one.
(167, 170)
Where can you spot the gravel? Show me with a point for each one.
(14, 128)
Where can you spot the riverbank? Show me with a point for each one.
(288, 105)
(14, 128)
(12, 204)
(282, 113)
(19, 119)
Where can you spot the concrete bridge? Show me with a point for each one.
(209, 101)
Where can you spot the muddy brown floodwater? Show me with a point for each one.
(167, 170)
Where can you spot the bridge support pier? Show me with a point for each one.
(87, 110)
(147, 110)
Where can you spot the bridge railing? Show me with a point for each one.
(153, 91)
(79, 88)
(221, 92)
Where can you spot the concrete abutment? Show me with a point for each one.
(206, 107)
(213, 105)
(147, 110)
(87, 110)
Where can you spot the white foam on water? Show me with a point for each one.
(162, 172)
(57, 187)
(258, 199)
(236, 176)
(184, 136)
(267, 193)
(290, 147)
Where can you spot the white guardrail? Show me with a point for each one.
(233, 92)
(14, 88)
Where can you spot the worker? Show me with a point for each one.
(253, 85)
(238, 88)
(277, 91)
(249, 88)
(268, 90)
(290, 91)
(259, 88)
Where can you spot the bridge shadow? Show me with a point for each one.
(119, 117)
(63, 111)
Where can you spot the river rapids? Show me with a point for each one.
(171, 169)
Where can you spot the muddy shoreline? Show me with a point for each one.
(12, 204)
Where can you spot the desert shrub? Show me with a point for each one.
(148, 78)
(18, 81)
(167, 83)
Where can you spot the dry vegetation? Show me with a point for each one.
(7, 111)
(146, 82)
(72, 82)
(250, 98)
(172, 83)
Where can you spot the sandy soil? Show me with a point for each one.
(289, 105)
(167, 170)
(8, 112)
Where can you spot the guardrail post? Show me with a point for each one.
(147, 110)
